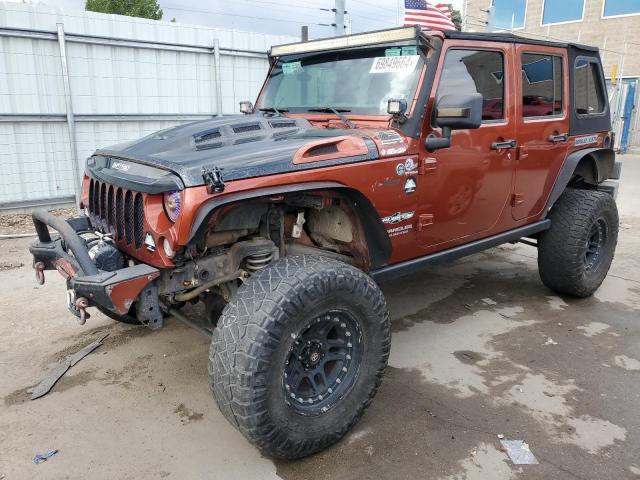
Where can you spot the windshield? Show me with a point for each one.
(355, 81)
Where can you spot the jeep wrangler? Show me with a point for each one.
(365, 157)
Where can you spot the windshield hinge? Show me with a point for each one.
(213, 178)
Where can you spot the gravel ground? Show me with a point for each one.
(21, 223)
(480, 348)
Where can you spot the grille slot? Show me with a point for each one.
(117, 211)
(206, 136)
(128, 217)
(91, 206)
(111, 211)
(249, 127)
(138, 220)
(282, 123)
(119, 215)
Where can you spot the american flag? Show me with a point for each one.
(427, 15)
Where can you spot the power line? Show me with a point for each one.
(374, 5)
(212, 12)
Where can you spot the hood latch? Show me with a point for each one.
(213, 179)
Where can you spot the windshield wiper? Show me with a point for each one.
(274, 110)
(335, 111)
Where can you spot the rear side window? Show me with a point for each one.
(541, 85)
(588, 93)
(475, 71)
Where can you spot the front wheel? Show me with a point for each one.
(299, 353)
(575, 254)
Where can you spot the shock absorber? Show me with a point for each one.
(258, 261)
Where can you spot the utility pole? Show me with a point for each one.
(339, 12)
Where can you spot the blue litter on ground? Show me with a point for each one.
(42, 457)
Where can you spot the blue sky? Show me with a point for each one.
(272, 16)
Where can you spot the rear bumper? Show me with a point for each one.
(87, 285)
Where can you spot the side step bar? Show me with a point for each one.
(411, 266)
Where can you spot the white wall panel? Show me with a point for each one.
(35, 156)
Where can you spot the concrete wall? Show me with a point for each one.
(128, 77)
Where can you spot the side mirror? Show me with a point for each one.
(246, 107)
(455, 112)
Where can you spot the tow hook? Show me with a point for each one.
(82, 304)
(39, 268)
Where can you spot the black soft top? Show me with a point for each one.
(511, 38)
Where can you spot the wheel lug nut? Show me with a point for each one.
(338, 380)
(344, 369)
(343, 325)
(348, 357)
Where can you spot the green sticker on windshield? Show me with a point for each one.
(291, 68)
(409, 50)
(392, 52)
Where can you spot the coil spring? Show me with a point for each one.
(258, 261)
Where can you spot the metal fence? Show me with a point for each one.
(73, 82)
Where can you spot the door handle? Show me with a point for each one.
(503, 145)
(563, 137)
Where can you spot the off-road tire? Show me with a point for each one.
(254, 338)
(129, 319)
(562, 249)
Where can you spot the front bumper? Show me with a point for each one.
(87, 285)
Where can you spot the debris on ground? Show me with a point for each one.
(550, 341)
(519, 452)
(48, 382)
(500, 436)
(43, 457)
(10, 265)
(20, 223)
(489, 301)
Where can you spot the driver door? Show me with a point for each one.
(464, 189)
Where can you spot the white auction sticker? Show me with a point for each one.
(405, 64)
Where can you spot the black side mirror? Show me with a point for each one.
(455, 112)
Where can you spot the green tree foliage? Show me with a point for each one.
(456, 17)
(131, 8)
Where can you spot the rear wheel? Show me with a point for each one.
(299, 353)
(575, 254)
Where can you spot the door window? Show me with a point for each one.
(475, 71)
(541, 85)
(587, 89)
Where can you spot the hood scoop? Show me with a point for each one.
(236, 132)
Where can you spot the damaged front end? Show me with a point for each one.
(116, 291)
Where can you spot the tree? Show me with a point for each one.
(131, 8)
(456, 17)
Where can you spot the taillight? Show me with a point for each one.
(172, 204)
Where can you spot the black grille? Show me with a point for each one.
(111, 211)
(117, 211)
(250, 127)
(128, 217)
(138, 220)
(119, 215)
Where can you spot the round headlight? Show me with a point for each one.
(172, 205)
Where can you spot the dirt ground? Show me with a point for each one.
(480, 348)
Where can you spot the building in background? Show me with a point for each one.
(611, 25)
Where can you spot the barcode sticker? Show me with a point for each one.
(394, 64)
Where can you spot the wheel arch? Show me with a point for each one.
(590, 167)
(378, 242)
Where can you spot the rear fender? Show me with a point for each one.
(591, 165)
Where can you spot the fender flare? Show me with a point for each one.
(593, 164)
(378, 242)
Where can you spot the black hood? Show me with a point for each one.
(238, 146)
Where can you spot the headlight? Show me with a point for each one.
(172, 205)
